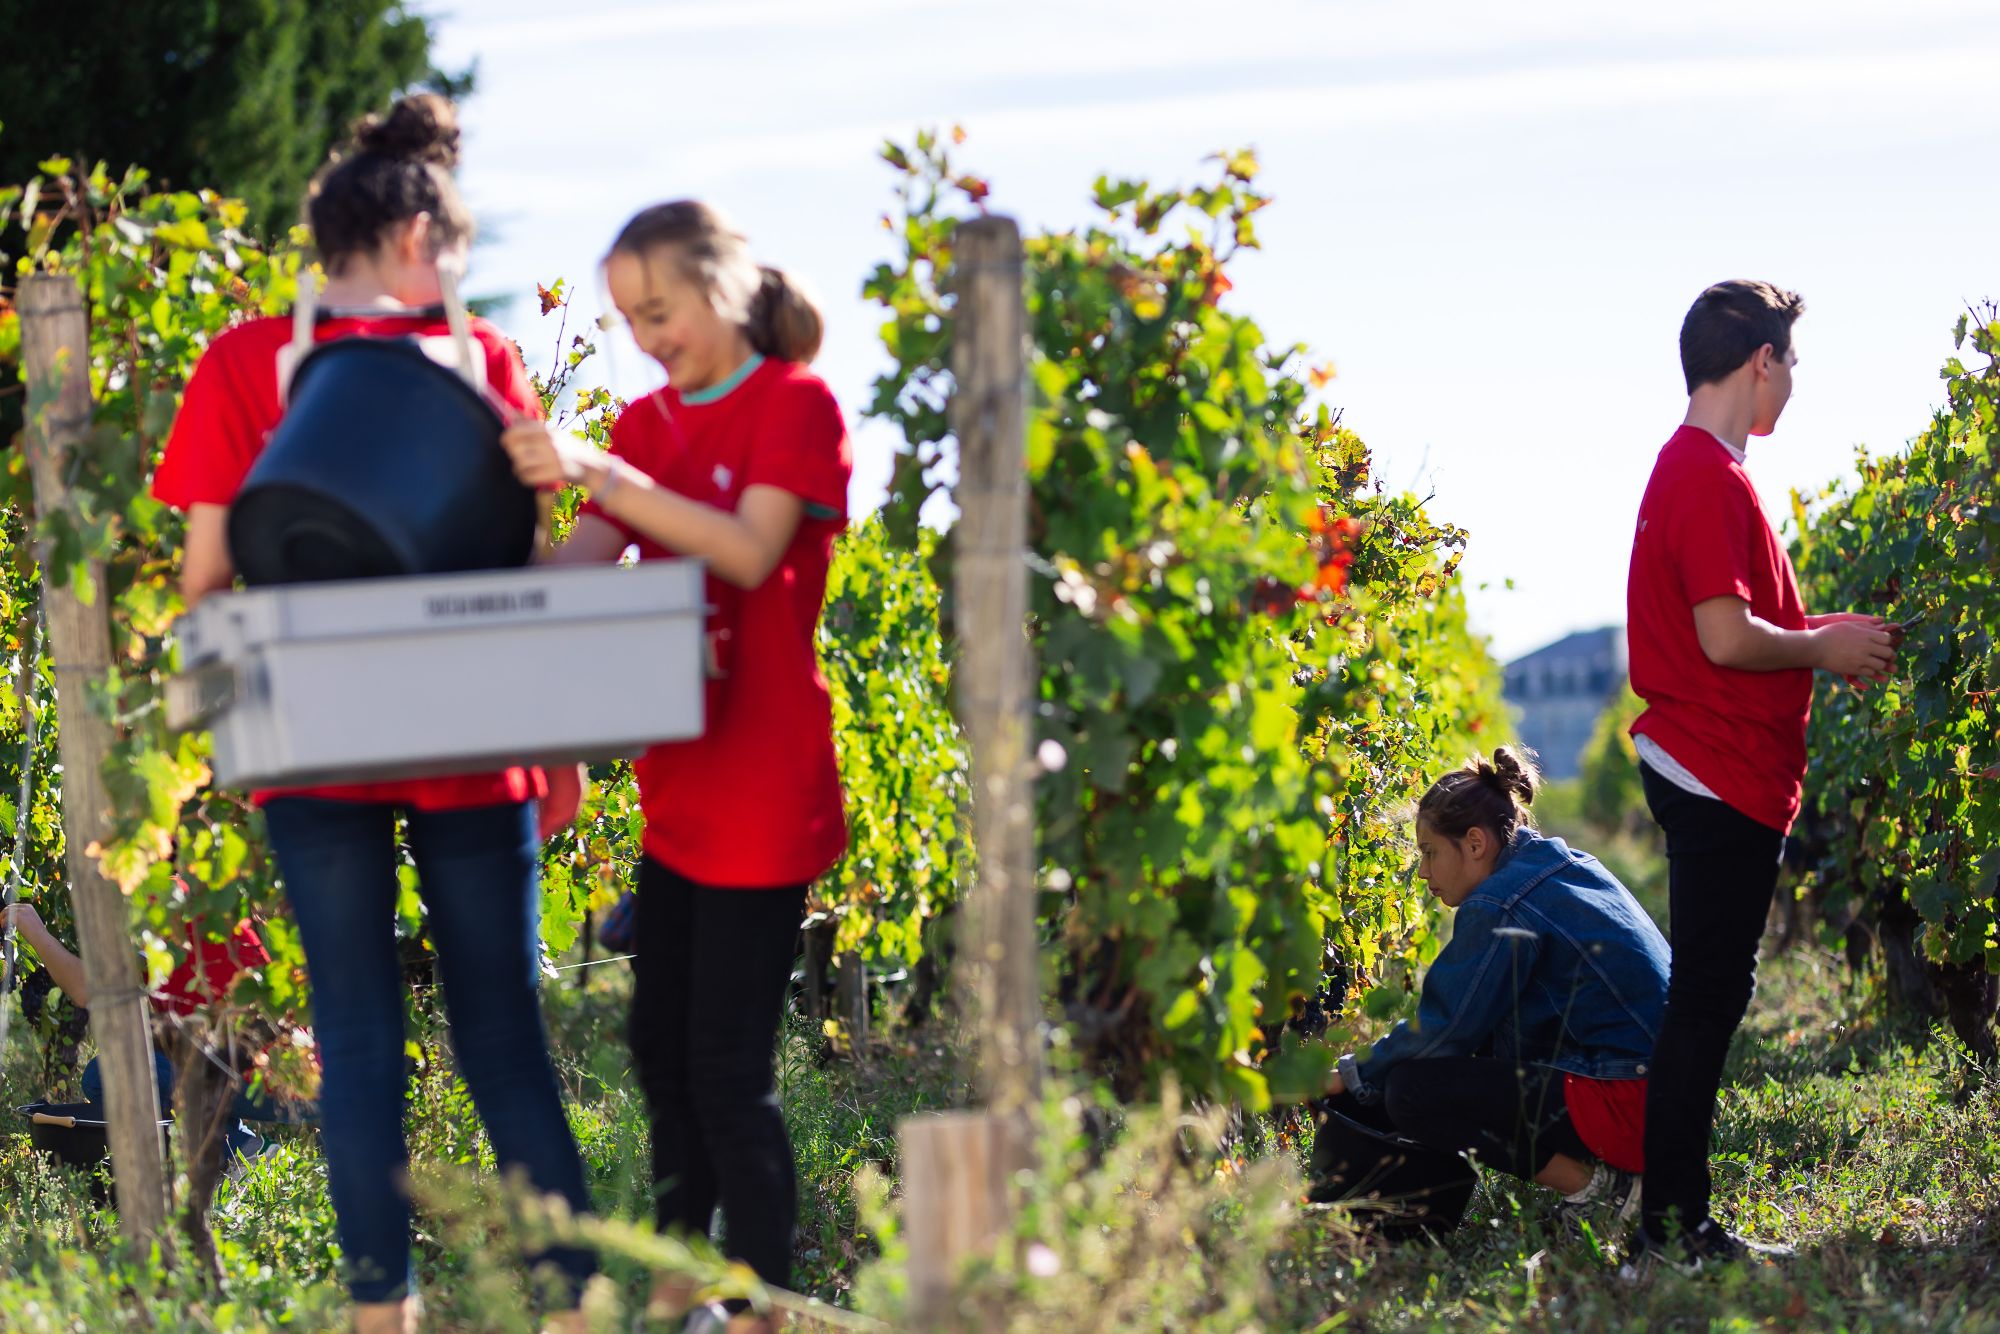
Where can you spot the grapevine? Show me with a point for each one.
(1251, 656)
(1903, 800)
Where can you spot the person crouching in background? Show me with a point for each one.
(1533, 1035)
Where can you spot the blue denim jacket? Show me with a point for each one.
(1551, 962)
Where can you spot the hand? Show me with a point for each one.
(1896, 629)
(1335, 1085)
(545, 457)
(1860, 647)
(24, 919)
(559, 807)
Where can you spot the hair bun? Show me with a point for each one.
(1515, 773)
(422, 127)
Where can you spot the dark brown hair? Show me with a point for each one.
(1493, 795)
(398, 166)
(775, 313)
(1728, 323)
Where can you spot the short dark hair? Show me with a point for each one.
(1728, 323)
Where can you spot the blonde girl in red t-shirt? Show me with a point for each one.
(742, 461)
(385, 214)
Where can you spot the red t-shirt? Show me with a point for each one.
(755, 801)
(1610, 1118)
(226, 416)
(215, 964)
(1703, 534)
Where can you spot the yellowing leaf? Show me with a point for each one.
(188, 233)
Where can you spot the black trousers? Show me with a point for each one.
(1408, 1152)
(708, 995)
(1722, 870)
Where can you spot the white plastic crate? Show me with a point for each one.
(401, 678)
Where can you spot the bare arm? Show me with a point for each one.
(741, 547)
(205, 563)
(1732, 637)
(63, 966)
(594, 541)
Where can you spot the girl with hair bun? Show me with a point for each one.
(741, 460)
(1533, 1032)
(386, 217)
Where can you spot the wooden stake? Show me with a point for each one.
(995, 679)
(955, 1205)
(958, 1168)
(55, 353)
(850, 995)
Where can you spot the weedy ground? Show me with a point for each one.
(1868, 1144)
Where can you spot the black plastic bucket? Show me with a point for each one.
(385, 463)
(72, 1132)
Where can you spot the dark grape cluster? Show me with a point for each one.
(35, 988)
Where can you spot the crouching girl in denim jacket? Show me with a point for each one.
(1533, 1034)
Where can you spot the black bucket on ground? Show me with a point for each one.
(73, 1133)
(385, 463)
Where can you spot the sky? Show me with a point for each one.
(1491, 218)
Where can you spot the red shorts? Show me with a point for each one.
(1610, 1118)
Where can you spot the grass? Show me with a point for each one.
(1861, 1143)
(60, 1268)
(1867, 1145)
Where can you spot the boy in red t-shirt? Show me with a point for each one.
(1723, 653)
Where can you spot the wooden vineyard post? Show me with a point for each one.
(958, 1168)
(55, 353)
(995, 669)
(955, 1203)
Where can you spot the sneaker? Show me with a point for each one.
(1709, 1246)
(1611, 1198)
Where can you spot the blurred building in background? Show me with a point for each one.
(1558, 691)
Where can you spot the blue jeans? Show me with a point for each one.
(478, 875)
(239, 1137)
